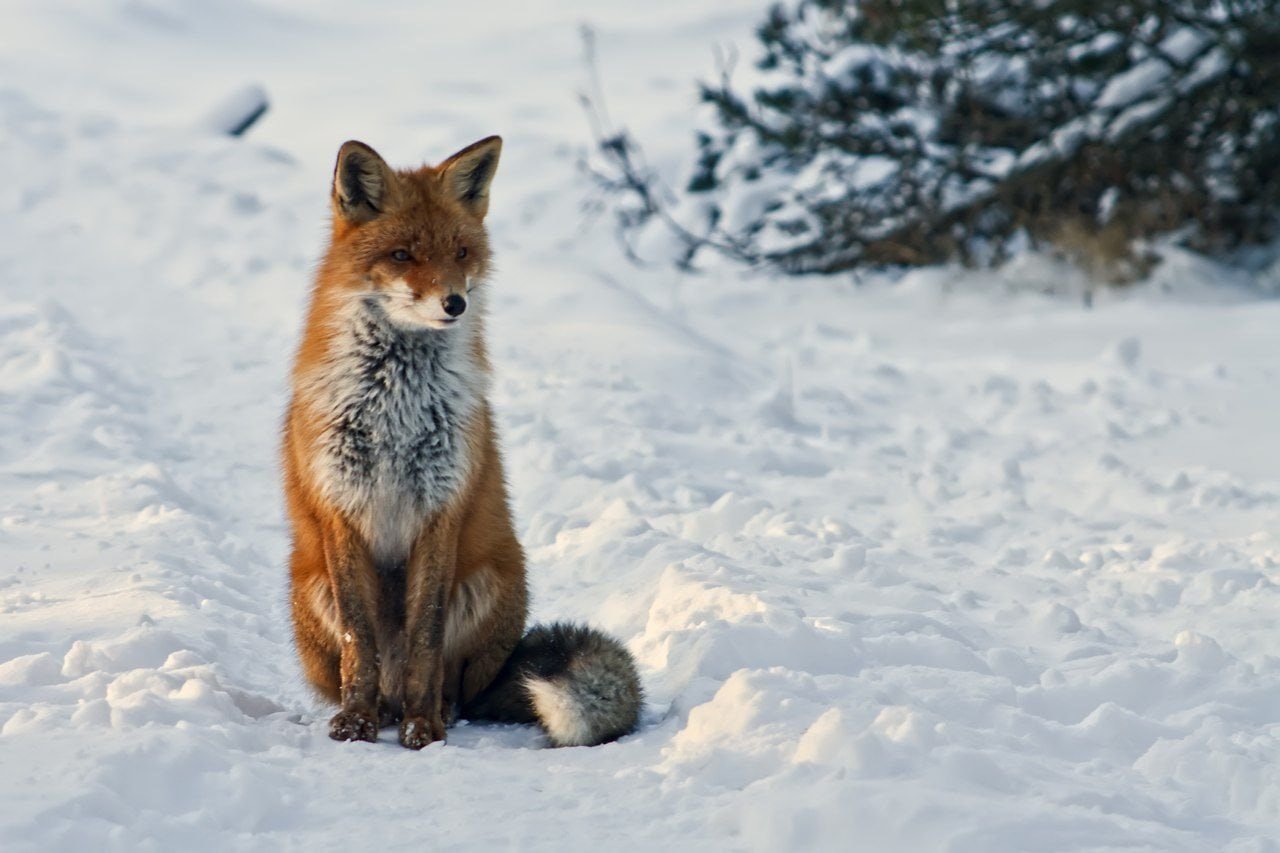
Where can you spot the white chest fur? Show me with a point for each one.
(397, 403)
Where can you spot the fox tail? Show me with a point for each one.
(579, 684)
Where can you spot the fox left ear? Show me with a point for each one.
(362, 181)
(468, 173)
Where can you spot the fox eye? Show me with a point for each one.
(462, 252)
(401, 256)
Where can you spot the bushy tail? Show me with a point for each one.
(580, 685)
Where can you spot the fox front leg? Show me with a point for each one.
(355, 590)
(430, 578)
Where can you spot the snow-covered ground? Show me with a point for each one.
(940, 565)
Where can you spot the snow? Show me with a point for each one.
(1140, 81)
(1102, 43)
(948, 562)
(1135, 115)
(861, 59)
(1184, 44)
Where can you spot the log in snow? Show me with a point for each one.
(239, 111)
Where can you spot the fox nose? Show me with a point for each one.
(454, 305)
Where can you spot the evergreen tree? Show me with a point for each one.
(915, 131)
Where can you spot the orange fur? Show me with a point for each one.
(464, 592)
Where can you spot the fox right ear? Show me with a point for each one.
(468, 173)
(361, 182)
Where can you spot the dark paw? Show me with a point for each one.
(353, 725)
(417, 732)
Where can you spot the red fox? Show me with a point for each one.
(408, 584)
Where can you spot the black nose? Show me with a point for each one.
(454, 305)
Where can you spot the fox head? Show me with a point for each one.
(412, 239)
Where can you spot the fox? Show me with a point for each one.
(407, 583)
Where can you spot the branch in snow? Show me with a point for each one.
(238, 112)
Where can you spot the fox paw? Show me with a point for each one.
(417, 732)
(353, 725)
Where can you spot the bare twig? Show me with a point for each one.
(630, 175)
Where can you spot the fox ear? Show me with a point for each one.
(361, 182)
(468, 173)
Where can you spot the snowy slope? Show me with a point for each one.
(937, 565)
